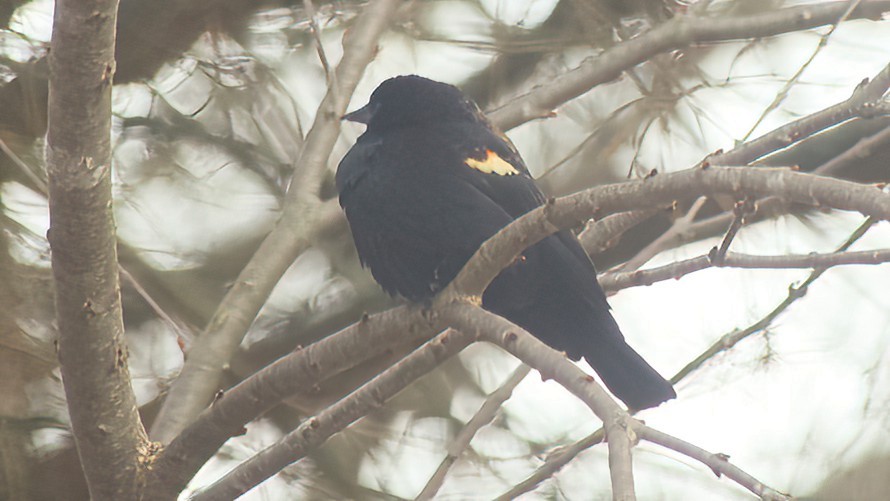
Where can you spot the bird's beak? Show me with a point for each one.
(362, 115)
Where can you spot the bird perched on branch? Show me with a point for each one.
(429, 181)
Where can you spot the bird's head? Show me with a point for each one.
(411, 100)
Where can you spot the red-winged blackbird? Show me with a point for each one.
(429, 181)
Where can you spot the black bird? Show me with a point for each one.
(429, 181)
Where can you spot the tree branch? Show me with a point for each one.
(473, 323)
(200, 377)
(554, 365)
(718, 463)
(567, 212)
(862, 149)
(313, 432)
(861, 103)
(461, 442)
(92, 351)
(623, 280)
(556, 461)
(298, 371)
(501, 249)
(729, 340)
(570, 211)
(620, 458)
(791, 82)
(677, 33)
(603, 234)
(553, 464)
(679, 226)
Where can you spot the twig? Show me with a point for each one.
(718, 463)
(602, 235)
(314, 431)
(461, 442)
(329, 75)
(739, 211)
(299, 371)
(38, 181)
(553, 464)
(554, 365)
(862, 149)
(200, 376)
(677, 33)
(556, 461)
(613, 281)
(794, 293)
(182, 332)
(861, 103)
(679, 227)
(791, 82)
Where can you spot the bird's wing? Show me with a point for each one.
(415, 230)
(514, 190)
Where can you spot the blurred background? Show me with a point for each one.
(211, 105)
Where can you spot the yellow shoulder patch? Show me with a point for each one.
(492, 164)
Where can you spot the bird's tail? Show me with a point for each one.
(629, 377)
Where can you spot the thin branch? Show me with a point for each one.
(313, 432)
(794, 293)
(791, 82)
(38, 181)
(110, 440)
(126, 277)
(862, 149)
(554, 365)
(677, 33)
(661, 190)
(201, 374)
(741, 209)
(181, 330)
(568, 212)
(602, 235)
(461, 442)
(299, 371)
(718, 463)
(861, 103)
(329, 75)
(673, 271)
(679, 227)
(553, 464)
(557, 460)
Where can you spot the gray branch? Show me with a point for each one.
(623, 280)
(299, 371)
(92, 352)
(200, 377)
(314, 431)
(662, 190)
(679, 32)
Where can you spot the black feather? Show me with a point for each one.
(431, 180)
